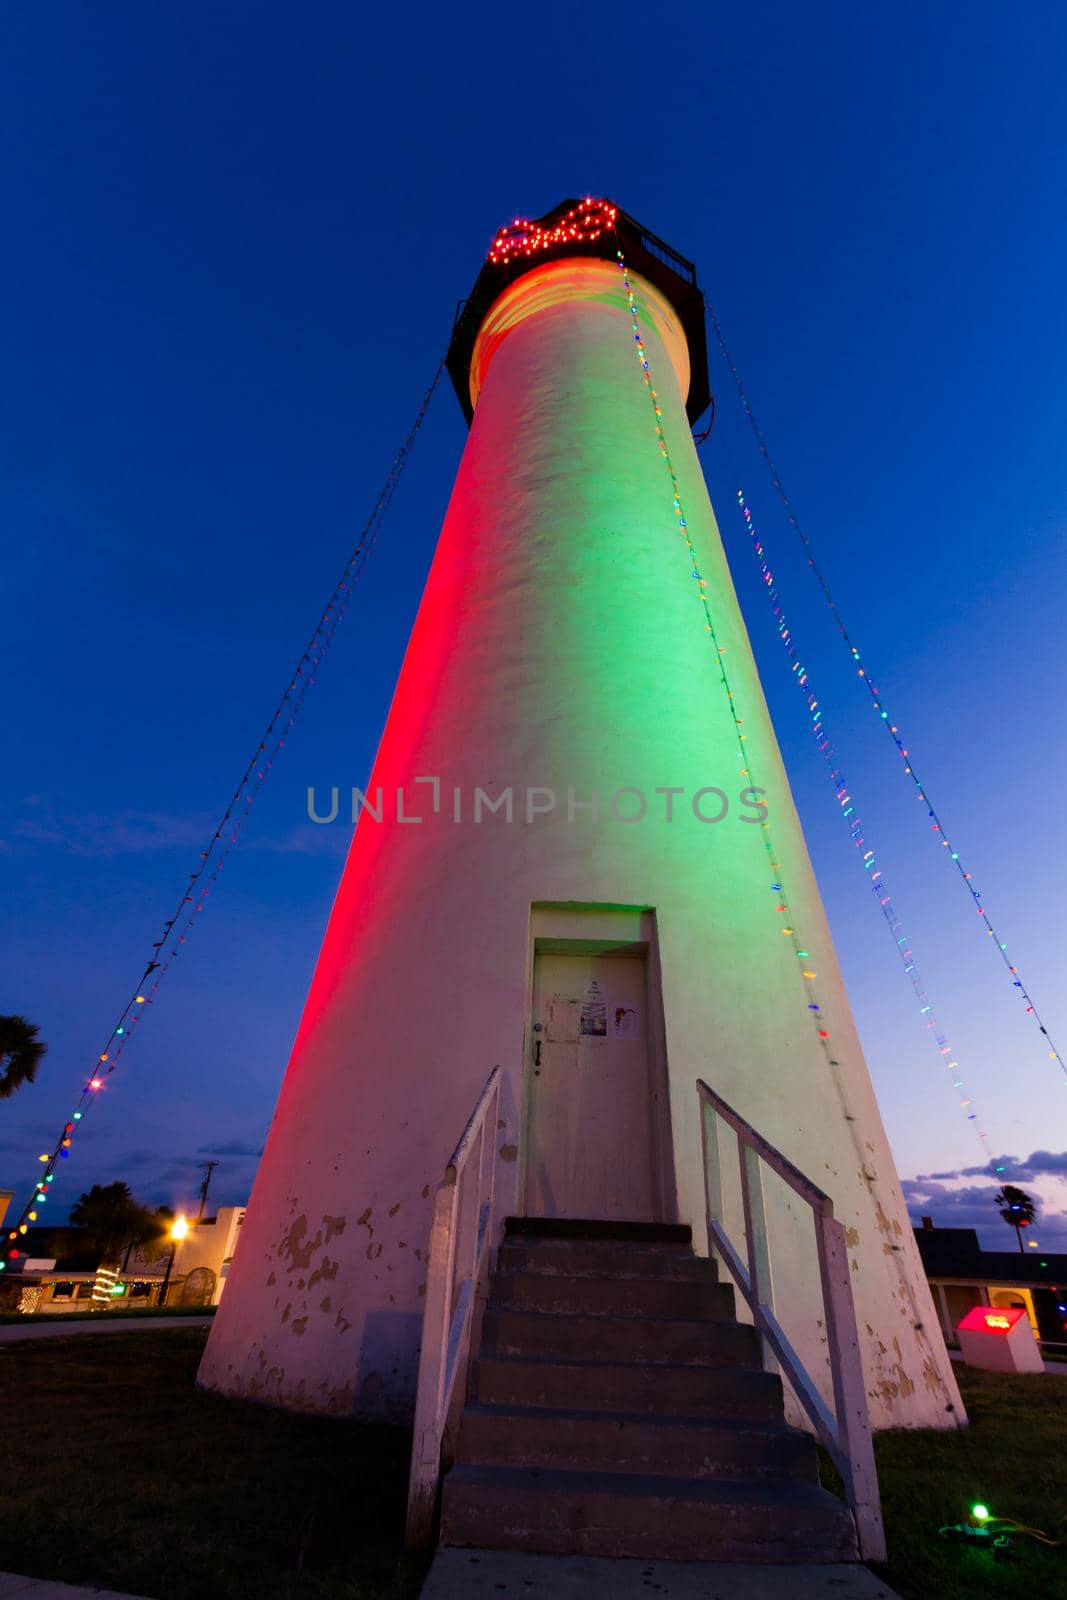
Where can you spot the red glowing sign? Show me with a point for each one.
(991, 1319)
(588, 220)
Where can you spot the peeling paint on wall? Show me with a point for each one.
(326, 1269)
(296, 1248)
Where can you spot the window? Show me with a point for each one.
(63, 1291)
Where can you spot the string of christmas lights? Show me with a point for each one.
(936, 824)
(857, 831)
(168, 946)
(807, 972)
(583, 223)
(805, 968)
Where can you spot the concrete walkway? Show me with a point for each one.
(470, 1574)
(60, 1327)
(492, 1574)
(1056, 1369)
(11, 1585)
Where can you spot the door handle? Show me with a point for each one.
(537, 1053)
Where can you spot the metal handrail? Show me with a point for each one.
(845, 1432)
(446, 1322)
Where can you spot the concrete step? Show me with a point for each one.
(605, 1257)
(610, 1296)
(670, 1446)
(622, 1514)
(507, 1574)
(671, 1233)
(650, 1387)
(679, 1340)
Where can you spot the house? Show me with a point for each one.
(56, 1275)
(962, 1274)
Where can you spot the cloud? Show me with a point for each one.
(126, 832)
(1041, 1163)
(235, 1147)
(130, 1160)
(177, 1170)
(133, 832)
(35, 1136)
(971, 1206)
(306, 839)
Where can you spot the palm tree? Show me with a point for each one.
(111, 1219)
(1016, 1209)
(153, 1240)
(20, 1054)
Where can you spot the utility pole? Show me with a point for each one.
(209, 1167)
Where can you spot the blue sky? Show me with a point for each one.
(232, 248)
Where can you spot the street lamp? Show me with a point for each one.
(178, 1230)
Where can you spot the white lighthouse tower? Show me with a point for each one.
(579, 861)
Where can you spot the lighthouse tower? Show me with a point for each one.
(577, 859)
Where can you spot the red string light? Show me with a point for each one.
(586, 222)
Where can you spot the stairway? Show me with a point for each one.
(617, 1408)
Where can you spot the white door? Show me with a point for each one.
(589, 1105)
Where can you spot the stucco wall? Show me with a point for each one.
(559, 644)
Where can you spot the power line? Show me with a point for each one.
(936, 823)
(200, 882)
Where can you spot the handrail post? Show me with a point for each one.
(492, 1117)
(426, 1444)
(850, 1394)
(759, 1255)
(447, 1317)
(709, 1135)
(846, 1433)
(476, 1218)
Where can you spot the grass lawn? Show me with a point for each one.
(1013, 1459)
(136, 1312)
(117, 1472)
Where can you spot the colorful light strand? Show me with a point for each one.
(936, 824)
(849, 814)
(582, 224)
(226, 834)
(807, 972)
(805, 961)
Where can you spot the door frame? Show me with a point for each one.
(582, 928)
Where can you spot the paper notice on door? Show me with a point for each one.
(593, 1023)
(625, 1022)
(562, 1021)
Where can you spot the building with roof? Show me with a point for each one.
(961, 1275)
(56, 1275)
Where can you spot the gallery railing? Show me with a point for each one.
(846, 1432)
(454, 1272)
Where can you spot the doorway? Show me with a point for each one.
(591, 1106)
